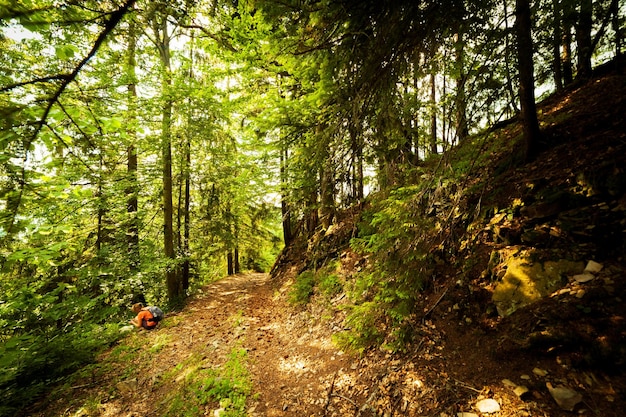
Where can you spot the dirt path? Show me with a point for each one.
(294, 368)
(297, 371)
(293, 365)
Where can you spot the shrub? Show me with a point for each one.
(302, 289)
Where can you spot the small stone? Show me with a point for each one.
(464, 414)
(565, 397)
(584, 277)
(593, 267)
(488, 405)
(520, 390)
(540, 372)
(508, 383)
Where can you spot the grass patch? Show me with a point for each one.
(324, 281)
(205, 389)
(302, 288)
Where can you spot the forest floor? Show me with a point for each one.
(296, 370)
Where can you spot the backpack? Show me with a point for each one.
(156, 312)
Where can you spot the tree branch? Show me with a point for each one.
(213, 36)
(110, 24)
(50, 78)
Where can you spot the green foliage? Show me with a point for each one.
(329, 284)
(31, 361)
(302, 288)
(325, 281)
(397, 238)
(364, 327)
(227, 387)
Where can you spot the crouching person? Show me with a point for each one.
(147, 317)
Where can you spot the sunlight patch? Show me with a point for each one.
(295, 365)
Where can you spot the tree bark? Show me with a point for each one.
(132, 164)
(230, 263)
(284, 204)
(583, 39)
(526, 79)
(557, 24)
(433, 113)
(175, 290)
(187, 219)
(507, 65)
(617, 28)
(462, 129)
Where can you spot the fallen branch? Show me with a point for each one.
(466, 386)
(430, 310)
(366, 404)
(347, 399)
(330, 394)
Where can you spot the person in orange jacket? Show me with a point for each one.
(144, 317)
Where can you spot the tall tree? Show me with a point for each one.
(526, 79)
(132, 189)
(557, 26)
(583, 38)
(162, 39)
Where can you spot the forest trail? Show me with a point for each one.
(295, 370)
(293, 367)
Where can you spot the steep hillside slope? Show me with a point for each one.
(528, 292)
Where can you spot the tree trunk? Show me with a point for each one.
(557, 24)
(508, 54)
(569, 17)
(101, 210)
(566, 56)
(132, 164)
(526, 79)
(433, 113)
(237, 266)
(230, 263)
(187, 218)
(462, 129)
(175, 291)
(583, 39)
(327, 194)
(617, 28)
(284, 205)
(356, 149)
(327, 184)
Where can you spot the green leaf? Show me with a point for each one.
(65, 52)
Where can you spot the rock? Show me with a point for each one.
(508, 383)
(127, 386)
(463, 414)
(584, 277)
(488, 405)
(526, 281)
(126, 329)
(593, 267)
(520, 390)
(565, 397)
(540, 372)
